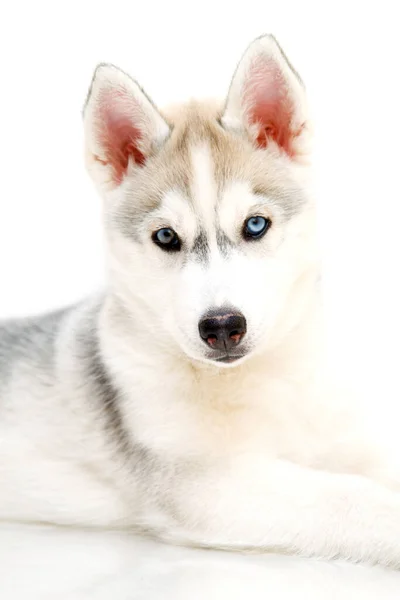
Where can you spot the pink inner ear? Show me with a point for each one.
(117, 133)
(268, 105)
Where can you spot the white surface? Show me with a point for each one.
(38, 563)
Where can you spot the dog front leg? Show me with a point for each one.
(280, 506)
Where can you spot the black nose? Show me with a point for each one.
(222, 330)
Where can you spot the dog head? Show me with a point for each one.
(208, 221)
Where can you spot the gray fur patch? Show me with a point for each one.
(29, 341)
(224, 243)
(106, 393)
(130, 218)
(201, 247)
(290, 201)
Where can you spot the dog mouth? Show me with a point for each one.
(227, 358)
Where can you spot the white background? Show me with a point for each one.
(50, 232)
(348, 55)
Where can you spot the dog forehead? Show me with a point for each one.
(208, 160)
(200, 160)
(174, 166)
(200, 141)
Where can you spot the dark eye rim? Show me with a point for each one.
(173, 246)
(248, 236)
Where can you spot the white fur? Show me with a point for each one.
(204, 187)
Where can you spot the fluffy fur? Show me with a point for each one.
(115, 413)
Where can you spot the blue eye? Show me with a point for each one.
(167, 239)
(256, 227)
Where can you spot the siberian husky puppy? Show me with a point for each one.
(191, 399)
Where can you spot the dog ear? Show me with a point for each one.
(122, 126)
(267, 98)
